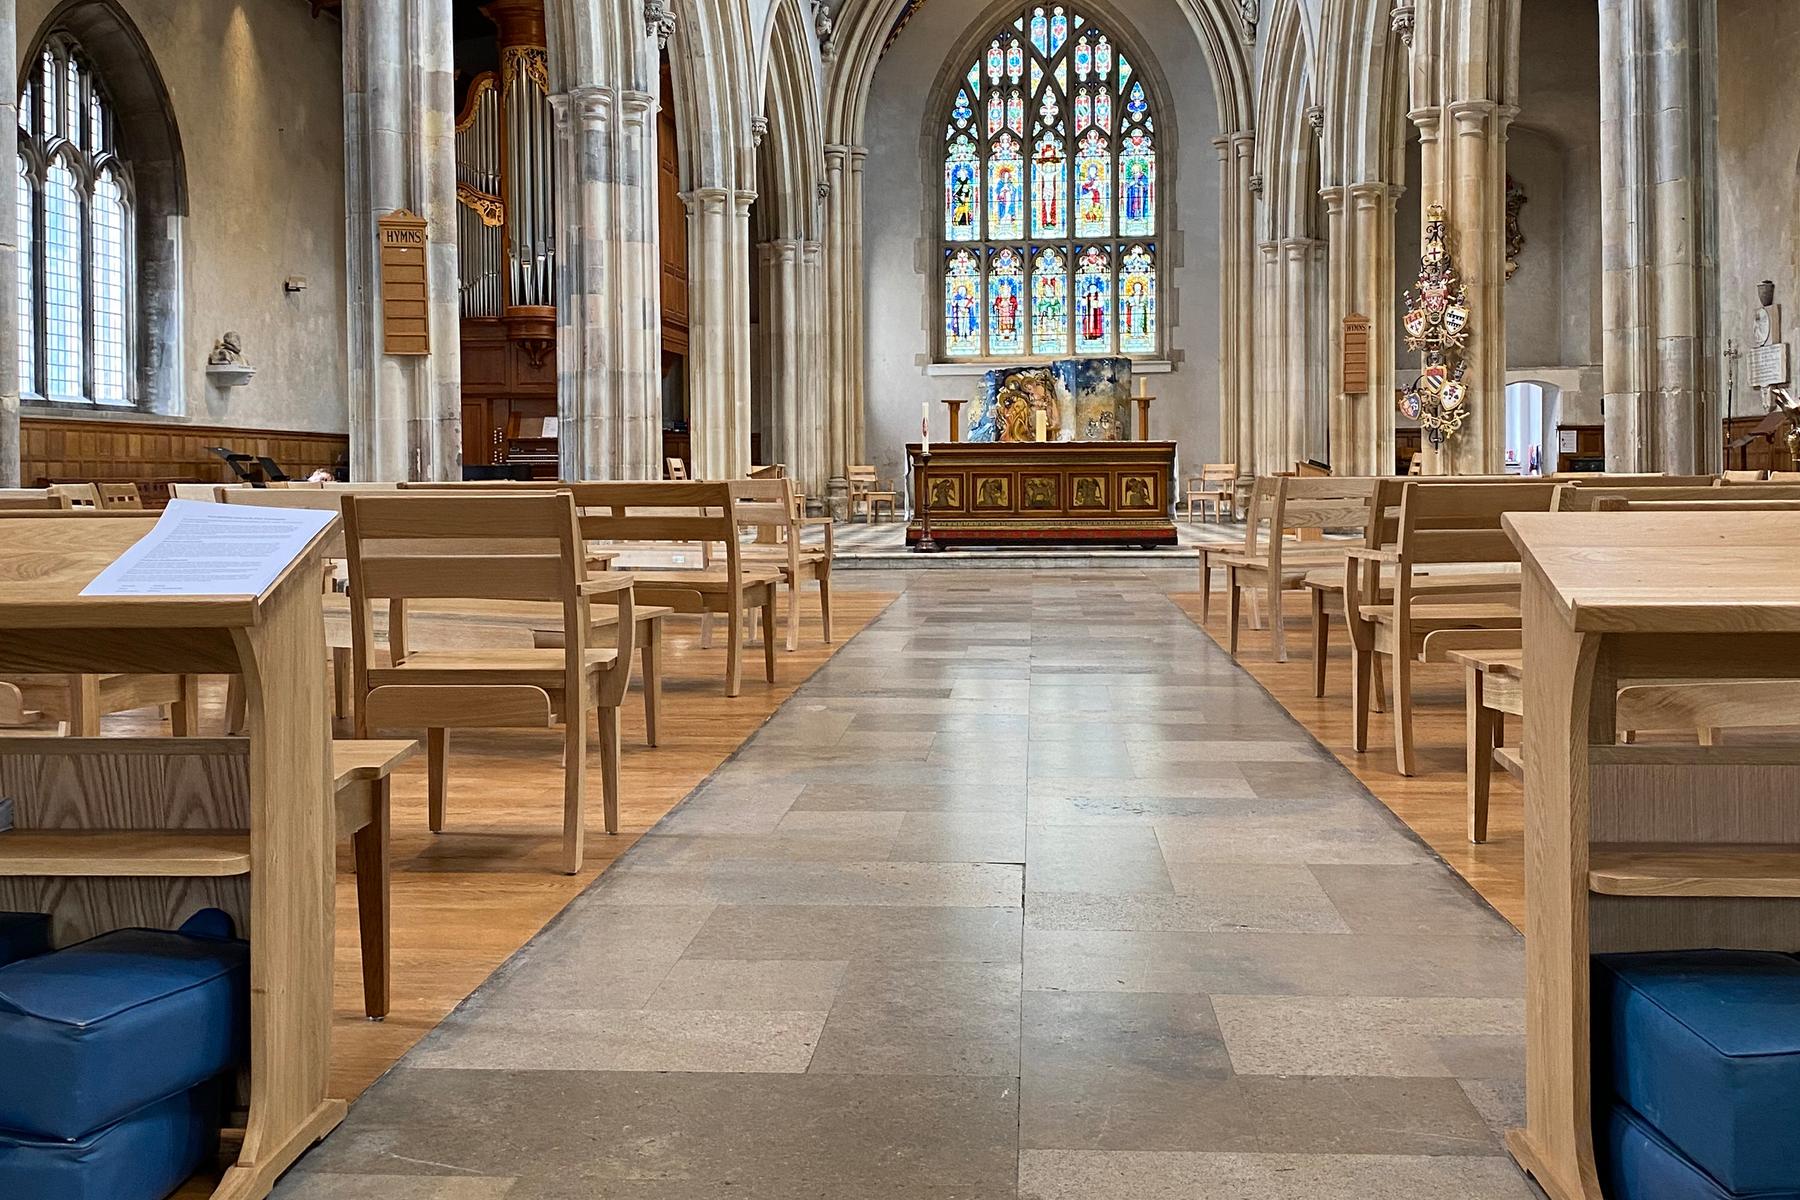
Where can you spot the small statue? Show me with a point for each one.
(229, 352)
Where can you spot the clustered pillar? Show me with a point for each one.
(399, 70)
(843, 283)
(1659, 224)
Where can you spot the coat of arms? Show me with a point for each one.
(1437, 327)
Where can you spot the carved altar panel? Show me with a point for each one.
(1082, 493)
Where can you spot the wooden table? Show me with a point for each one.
(245, 824)
(1643, 847)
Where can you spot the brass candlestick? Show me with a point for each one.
(926, 543)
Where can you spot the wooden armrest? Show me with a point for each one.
(605, 585)
(814, 521)
(1374, 556)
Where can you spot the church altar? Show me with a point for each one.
(1046, 493)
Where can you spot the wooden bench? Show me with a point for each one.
(1438, 525)
(360, 789)
(771, 507)
(498, 546)
(1272, 565)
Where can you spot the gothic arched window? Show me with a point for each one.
(1050, 198)
(77, 265)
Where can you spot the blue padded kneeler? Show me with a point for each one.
(23, 935)
(1704, 1047)
(146, 1156)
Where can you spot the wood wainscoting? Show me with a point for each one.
(65, 449)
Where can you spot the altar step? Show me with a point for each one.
(882, 546)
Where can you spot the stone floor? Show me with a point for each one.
(1030, 893)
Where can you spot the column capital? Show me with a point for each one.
(1372, 193)
(1333, 198)
(1427, 122)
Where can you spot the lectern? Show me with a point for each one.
(119, 832)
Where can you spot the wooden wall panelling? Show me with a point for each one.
(65, 449)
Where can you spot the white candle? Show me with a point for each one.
(1042, 426)
(1143, 385)
(925, 427)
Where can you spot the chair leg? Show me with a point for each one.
(84, 705)
(1362, 669)
(652, 658)
(825, 603)
(1205, 591)
(609, 767)
(793, 616)
(574, 784)
(342, 682)
(768, 637)
(1402, 706)
(373, 913)
(706, 630)
(1234, 605)
(184, 714)
(1479, 723)
(1277, 620)
(1321, 639)
(1378, 692)
(237, 715)
(734, 650)
(437, 768)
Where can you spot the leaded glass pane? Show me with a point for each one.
(1050, 303)
(1006, 302)
(1093, 301)
(1006, 190)
(1093, 187)
(62, 285)
(107, 255)
(27, 302)
(962, 304)
(1049, 189)
(1137, 300)
(1137, 186)
(962, 183)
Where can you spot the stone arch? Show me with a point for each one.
(150, 142)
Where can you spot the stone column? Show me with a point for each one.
(1659, 219)
(9, 268)
(1360, 221)
(812, 463)
(719, 337)
(609, 319)
(400, 139)
(779, 364)
(1237, 301)
(1270, 425)
(1463, 149)
(843, 284)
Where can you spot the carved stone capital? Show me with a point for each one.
(759, 129)
(659, 21)
(1403, 21)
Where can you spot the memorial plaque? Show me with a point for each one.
(405, 320)
(1769, 365)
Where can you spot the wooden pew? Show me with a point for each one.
(1273, 565)
(525, 547)
(770, 505)
(1440, 525)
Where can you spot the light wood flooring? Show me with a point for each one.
(466, 899)
(1433, 802)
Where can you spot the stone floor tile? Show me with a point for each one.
(843, 932)
(749, 985)
(391, 1187)
(923, 1018)
(1112, 860)
(959, 837)
(1425, 898)
(1127, 1175)
(1205, 913)
(547, 1039)
(1360, 1035)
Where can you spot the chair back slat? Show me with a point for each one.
(1589, 499)
(1446, 523)
(462, 577)
(417, 516)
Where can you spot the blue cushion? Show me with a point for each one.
(23, 935)
(146, 1156)
(100, 1029)
(1704, 1045)
(1637, 1164)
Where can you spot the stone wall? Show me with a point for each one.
(256, 87)
(1759, 170)
(900, 185)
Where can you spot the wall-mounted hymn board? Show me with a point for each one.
(405, 323)
(1356, 354)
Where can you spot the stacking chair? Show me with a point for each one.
(475, 546)
(78, 495)
(677, 469)
(1213, 491)
(29, 499)
(1272, 565)
(1440, 524)
(870, 492)
(119, 497)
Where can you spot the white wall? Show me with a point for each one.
(257, 92)
(901, 186)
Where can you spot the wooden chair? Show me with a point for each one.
(436, 546)
(1445, 525)
(677, 469)
(870, 492)
(1218, 500)
(769, 505)
(1595, 498)
(360, 789)
(116, 496)
(78, 495)
(689, 512)
(1784, 476)
(1742, 476)
(1272, 564)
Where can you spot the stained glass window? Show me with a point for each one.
(1049, 153)
(1006, 302)
(76, 257)
(1137, 299)
(962, 303)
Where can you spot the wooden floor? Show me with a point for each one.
(466, 899)
(1432, 802)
